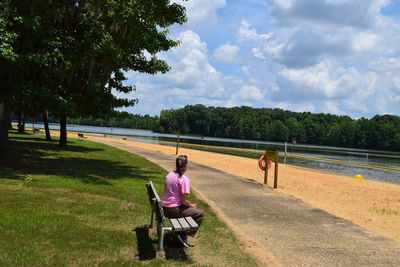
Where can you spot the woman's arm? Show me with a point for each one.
(186, 201)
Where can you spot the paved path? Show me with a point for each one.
(294, 233)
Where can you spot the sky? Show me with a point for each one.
(323, 56)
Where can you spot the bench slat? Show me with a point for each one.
(192, 223)
(183, 222)
(175, 224)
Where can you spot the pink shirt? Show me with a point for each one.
(174, 188)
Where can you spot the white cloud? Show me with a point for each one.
(245, 70)
(250, 93)
(191, 80)
(386, 64)
(332, 107)
(247, 33)
(303, 107)
(306, 46)
(355, 13)
(336, 56)
(309, 31)
(396, 83)
(284, 4)
(201, 13)
(365, 42)
(258, 53)
(190, 67)
(227, 53)
(322, 81)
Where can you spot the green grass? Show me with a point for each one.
(86, 205)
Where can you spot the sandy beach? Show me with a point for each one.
(371, 204)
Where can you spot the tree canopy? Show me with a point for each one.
(70, 57)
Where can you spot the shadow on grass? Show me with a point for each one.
(172, 248)
(30, 155)
(27, 142)
(146, 250)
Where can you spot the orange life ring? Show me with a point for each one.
(261, 163)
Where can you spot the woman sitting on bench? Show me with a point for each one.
(174, 199)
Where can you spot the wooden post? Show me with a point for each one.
(266, 168)
(276, 169)
(177, 144)
(274, 157)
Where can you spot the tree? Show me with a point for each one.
(315, 132)
(347, 132)
(76, 53)
(279, 131)
(198, 119)
(333, 135)
(7, 57)
(101, 39)
(296, 130)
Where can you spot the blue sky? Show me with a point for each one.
(322, 56)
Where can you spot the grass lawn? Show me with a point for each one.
(86, 205)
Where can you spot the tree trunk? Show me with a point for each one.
(4, 123)
(21, 122)
(63, 130)
(46, 125)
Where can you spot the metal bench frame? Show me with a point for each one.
(183, 224)
(81, 136)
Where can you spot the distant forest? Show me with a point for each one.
(379, 132)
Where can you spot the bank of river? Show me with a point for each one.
(363, 156)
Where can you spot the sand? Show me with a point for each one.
(371, 204)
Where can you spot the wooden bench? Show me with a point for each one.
(183, 224)
(36, 131)
(81, 136)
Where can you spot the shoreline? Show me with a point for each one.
(372, 204)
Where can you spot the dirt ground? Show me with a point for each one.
(371, 204)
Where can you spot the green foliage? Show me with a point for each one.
(120, 119)
(6, 39)
(279, 131)
(71, 57)
(380, 132)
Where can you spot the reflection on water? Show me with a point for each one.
(371, 157)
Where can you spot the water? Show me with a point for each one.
(371, 157)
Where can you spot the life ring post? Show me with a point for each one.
(266, 170)
(276, 169)
(265, 163)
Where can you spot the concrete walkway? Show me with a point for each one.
(293, 233)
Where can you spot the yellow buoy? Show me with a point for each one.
(358, 177)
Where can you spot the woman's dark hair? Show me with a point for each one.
(181, 162)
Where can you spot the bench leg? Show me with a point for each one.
(161, 239)
(153, 215)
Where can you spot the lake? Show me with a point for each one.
(364, 156)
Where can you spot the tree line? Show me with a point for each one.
(117, 119)
(265, 124)
(69, 58)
